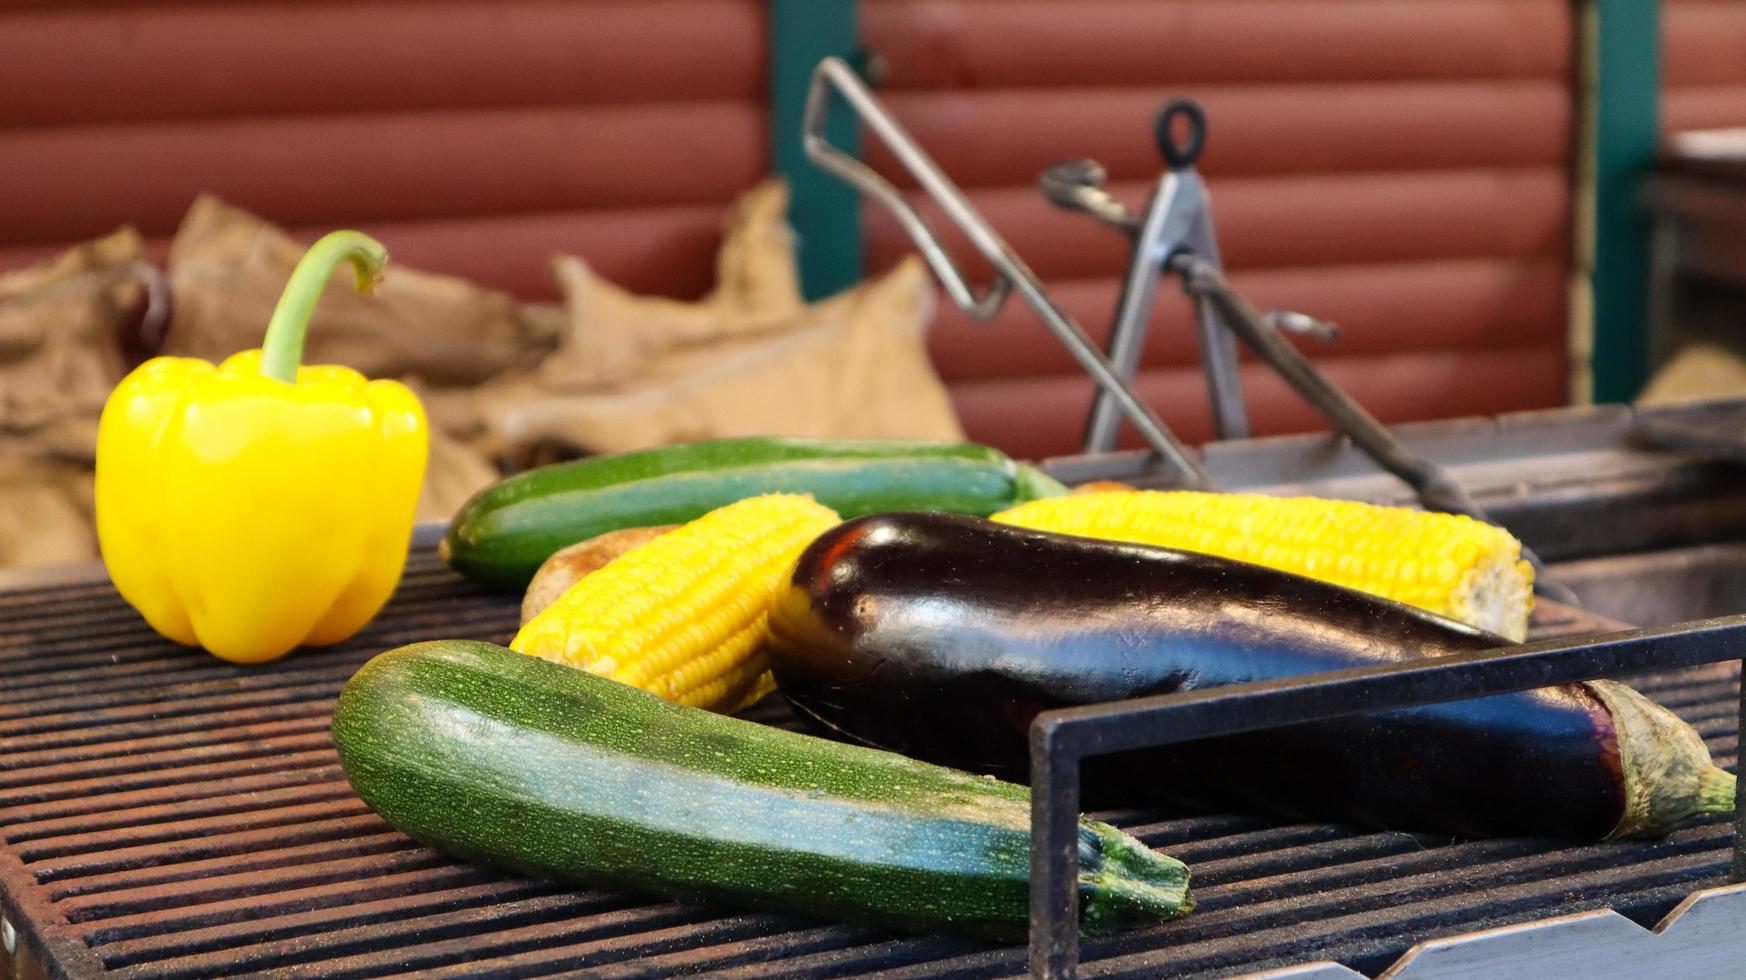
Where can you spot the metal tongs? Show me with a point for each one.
(1176, 236)
(1177, 223)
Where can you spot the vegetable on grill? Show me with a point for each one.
(1449, 564)
(261, 504)
(685, 615)
(503, 534)
(570, 565)
(942, 637)
(493, 756)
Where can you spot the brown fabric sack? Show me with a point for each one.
(612, 336)
(228, 268)
(67, 329)
(751, 358)
(852, 366)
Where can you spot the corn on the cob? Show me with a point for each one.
(1445, 563)
(685, 616)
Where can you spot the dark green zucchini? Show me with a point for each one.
(501, 536)
(495, 756)
(942, 637)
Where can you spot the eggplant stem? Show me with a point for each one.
(1716, 789)
(1667, 771)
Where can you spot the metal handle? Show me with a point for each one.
(1077, 185)
(1011, 274)
(832, 73)
(1303, 325)
(1180, 156)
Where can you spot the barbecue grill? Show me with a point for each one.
(163, 814)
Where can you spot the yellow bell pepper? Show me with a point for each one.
(259, 505)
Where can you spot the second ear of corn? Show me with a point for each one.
(685, 616)
(1448, 564)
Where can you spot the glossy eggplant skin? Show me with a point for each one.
(941, 637)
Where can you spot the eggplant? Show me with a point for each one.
(942, 637)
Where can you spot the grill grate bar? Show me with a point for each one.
(104, 738)
(391, 884)
(300, 723)
(244, 761)
(308, 669)
(237, 947)
(266, 859)
(105, 619)
(123, 907)
(96, 806)
(54, 605)
(192, 769)
(79, 641)
(182, 810)
(795, 954)
(216, 705)
(74, 845)
(328, 828)
(600, 938)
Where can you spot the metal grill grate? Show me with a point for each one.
(167, 815)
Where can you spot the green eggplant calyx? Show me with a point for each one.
(1123, 884)
(1666, 767)
(1717, 789)
(282, 350)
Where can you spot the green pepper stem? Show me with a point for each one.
(282, 351)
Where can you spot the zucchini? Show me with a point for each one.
(501, 536)
(494, 756)
(941, 637)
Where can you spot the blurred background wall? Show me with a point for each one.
(1703, 64)
(1403, 167)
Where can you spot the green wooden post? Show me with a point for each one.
(825, 212)
(1627, 133)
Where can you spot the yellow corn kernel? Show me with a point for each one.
(685, 616)
(1448, 564)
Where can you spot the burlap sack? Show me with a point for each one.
(613, 336)
(454, 470)
(45, 510)
(61, 329)
(1699, 371)
(65, 325)
(750, 358)
(228, 268)
(852, 366)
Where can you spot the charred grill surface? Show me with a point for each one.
(163, 814)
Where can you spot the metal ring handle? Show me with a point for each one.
(1180, 156)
